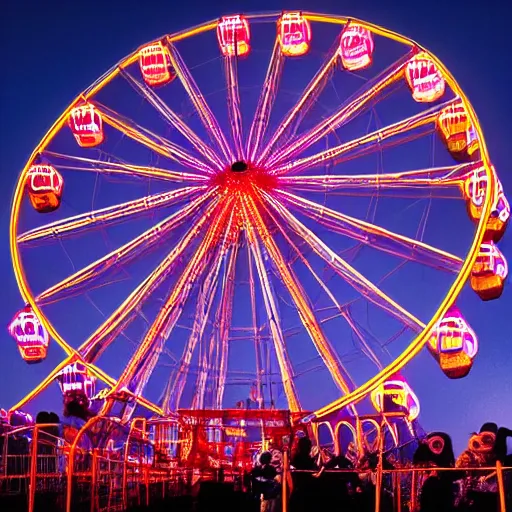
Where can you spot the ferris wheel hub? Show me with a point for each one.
(239, 166)
(243, 177)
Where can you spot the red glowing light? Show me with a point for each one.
(44, 186)
(87, 125)
(396, 396)
(30, 335)
(489, 272)
(454, 344)
(155, 65)
(356, 47)
(457, 132)
(424, 78)
(294, 33)
(233, 35)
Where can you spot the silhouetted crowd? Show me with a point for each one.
(320, 480)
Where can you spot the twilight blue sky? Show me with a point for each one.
(53, 50)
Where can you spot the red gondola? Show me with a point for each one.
(489, 272)
(396, 396)
(454, 344)
(294, 34)
(44, 186)
(424, 78)
(234, 36)
(30, 335)
(155, 65)
(87, 125)
(458, 133)
(356, 47)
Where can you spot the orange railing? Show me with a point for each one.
(42, 472)
(400, 489)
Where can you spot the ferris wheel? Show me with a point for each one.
(280, 208)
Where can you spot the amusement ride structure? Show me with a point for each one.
(209, 249)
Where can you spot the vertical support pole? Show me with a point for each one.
(284, 481)
(501, 487)
(33, 470)
(125, 478)
(336, 434)
(398, 491)
(5, 453)
(414, 488)
(112, 478)
(378, 482)
(359, 438)
(314, 429)
(146, 482)
(139, 474)
(94, 479)
(378, 487)
(71, 468)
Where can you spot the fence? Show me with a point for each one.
(398, 490)
(109, 467)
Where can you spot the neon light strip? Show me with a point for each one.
(422, 178)
(152, 141)
(233, 99)
(204, 304)
(373, 235)
(349, 274)
(265, 102)
(306, 315)
(124, 253)
(173, 307)
(92, 348)
(122, 169)
(119, 212)
(346, 112)
(305, 102)
(174, 120)
(272, 311)
(255, 330)
(342, 373)
(335, 153)
(224, 319)
(197, 99)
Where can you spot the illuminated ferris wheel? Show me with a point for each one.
(265, 207)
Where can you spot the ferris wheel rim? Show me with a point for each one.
(413, 347)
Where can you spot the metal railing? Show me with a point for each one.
(42, 472)
(400, 489)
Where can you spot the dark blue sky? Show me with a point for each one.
(53, 50)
